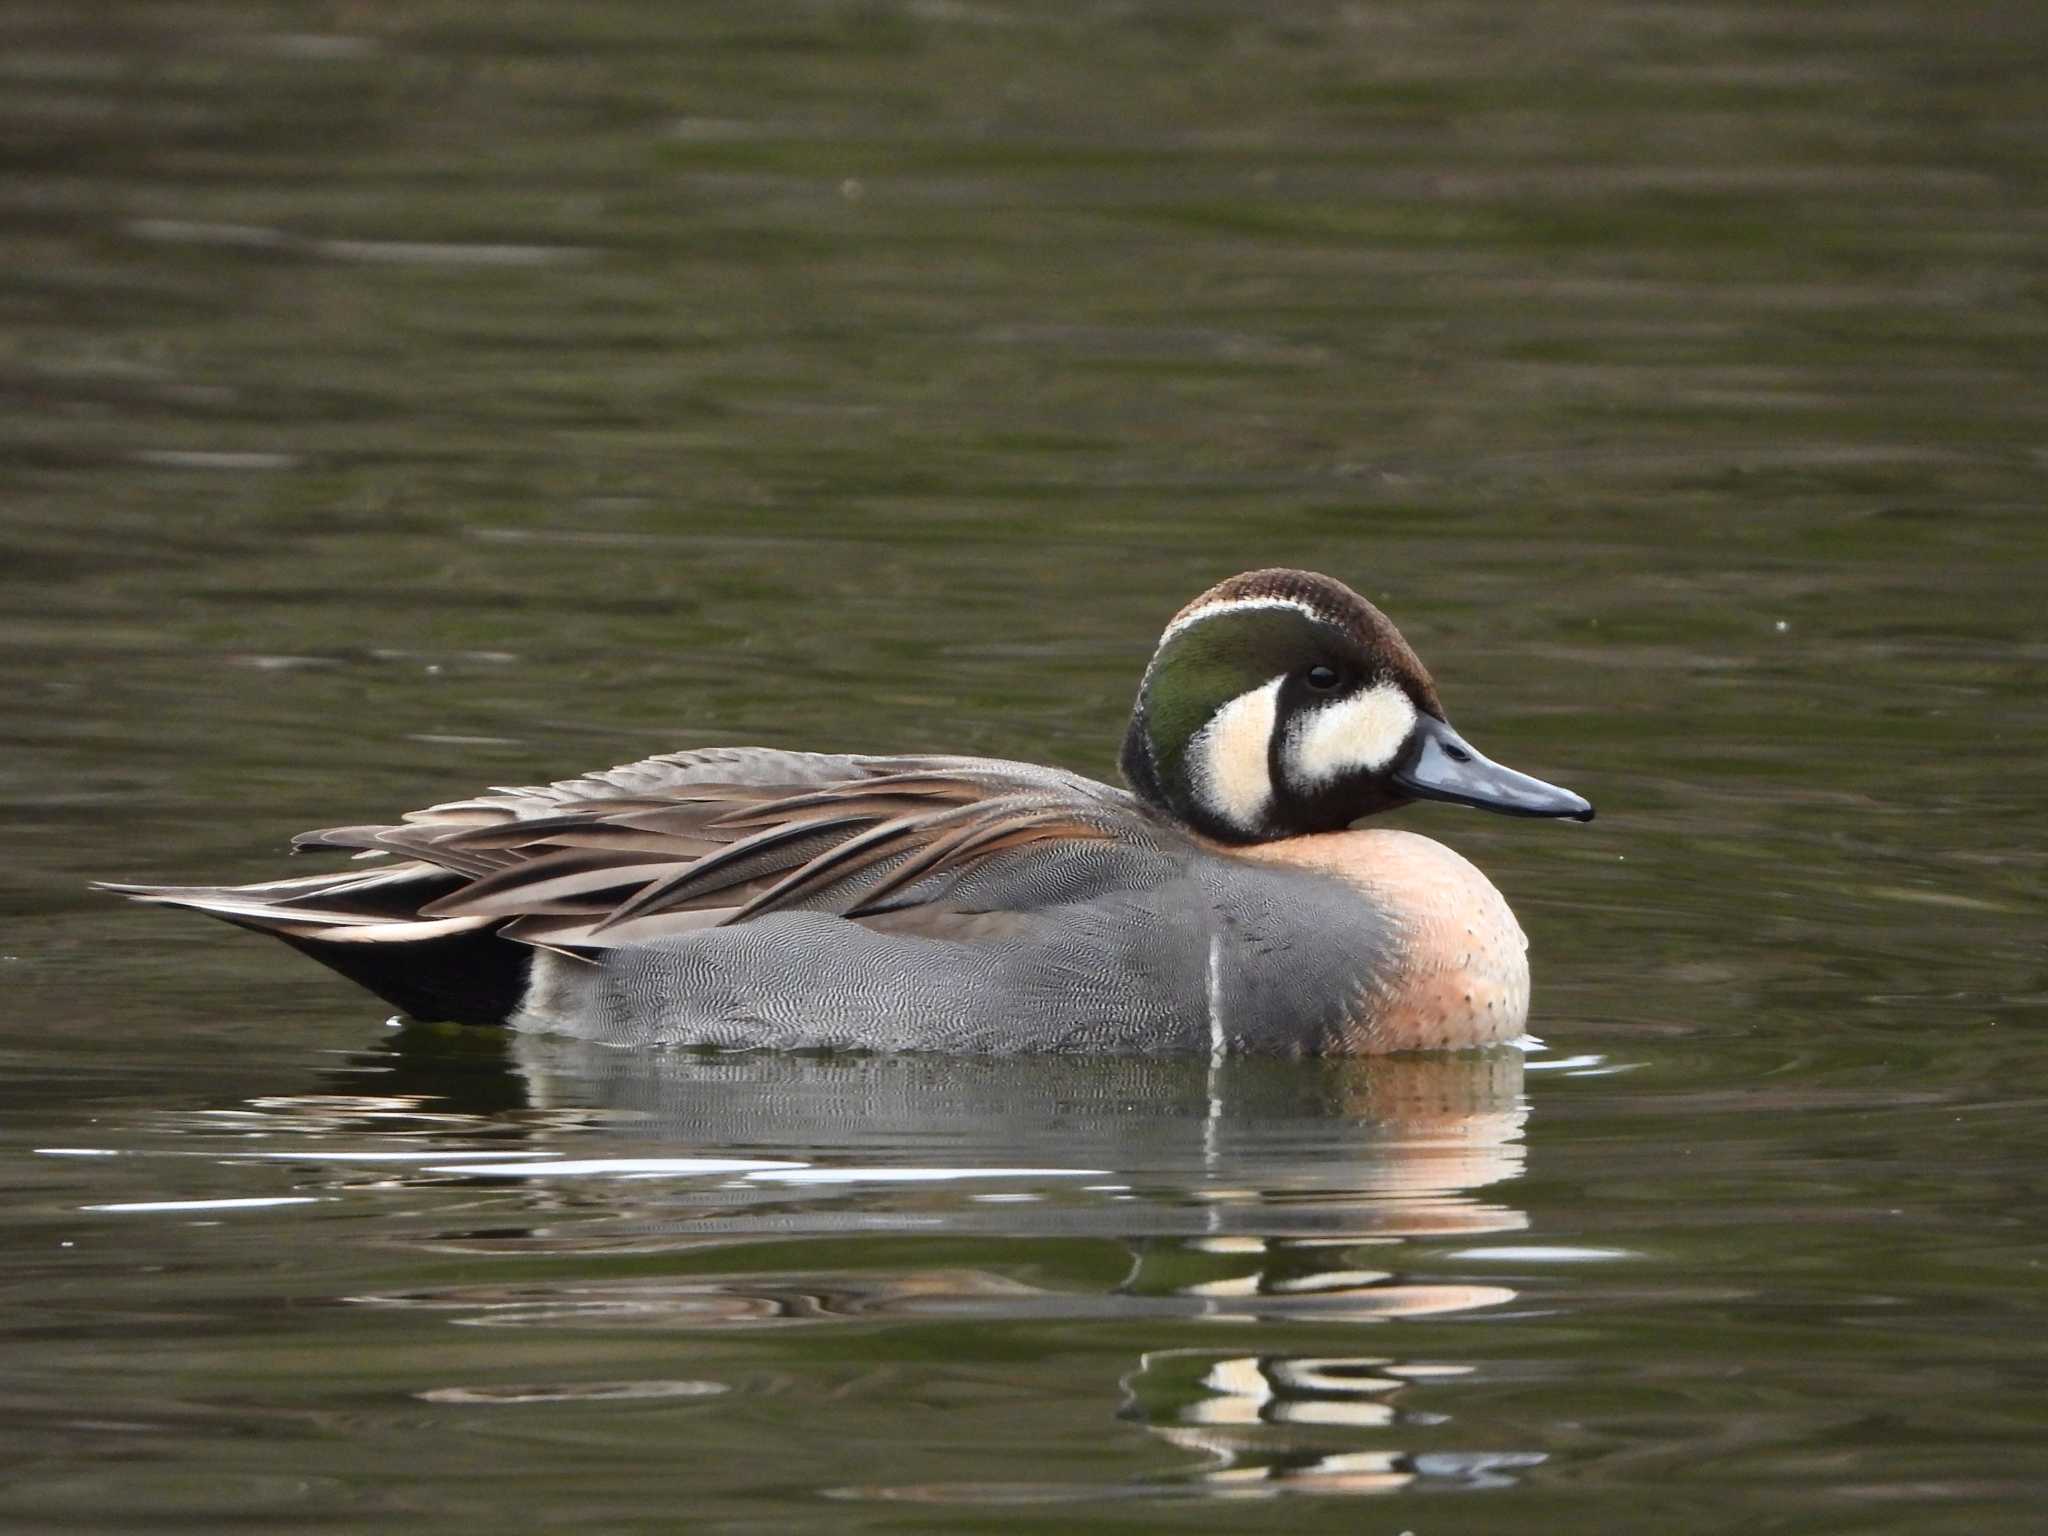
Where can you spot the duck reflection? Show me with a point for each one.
(1276, 1423)
(1420, 1131)
(1245, 1192)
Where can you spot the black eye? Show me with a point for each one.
(1320, 678)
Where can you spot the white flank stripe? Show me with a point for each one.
(1216, 1041)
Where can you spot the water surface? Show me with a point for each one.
(400, 403)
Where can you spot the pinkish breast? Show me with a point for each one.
(1461, 972)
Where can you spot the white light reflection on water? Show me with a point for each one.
(614, 1167)
(576, 1392)
(248, 1203)
(920, 1175)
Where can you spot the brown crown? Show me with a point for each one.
(1338, 606)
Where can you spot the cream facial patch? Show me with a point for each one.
(1228, 758)
(1362, 733)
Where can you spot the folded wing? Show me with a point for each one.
(684, 841)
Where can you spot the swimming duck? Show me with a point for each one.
(753, 897)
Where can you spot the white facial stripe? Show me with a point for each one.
(1361, 733)
(1236, 605)
(1227, 760)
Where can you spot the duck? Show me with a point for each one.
(1223, 901)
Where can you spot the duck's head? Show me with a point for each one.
(1281, 703)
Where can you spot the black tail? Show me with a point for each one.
(461, 978)
(366, 926)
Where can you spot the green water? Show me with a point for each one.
(403, 399)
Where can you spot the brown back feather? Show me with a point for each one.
(567, 867)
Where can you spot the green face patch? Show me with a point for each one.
(1213, 661)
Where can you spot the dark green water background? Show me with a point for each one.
(396, 399)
